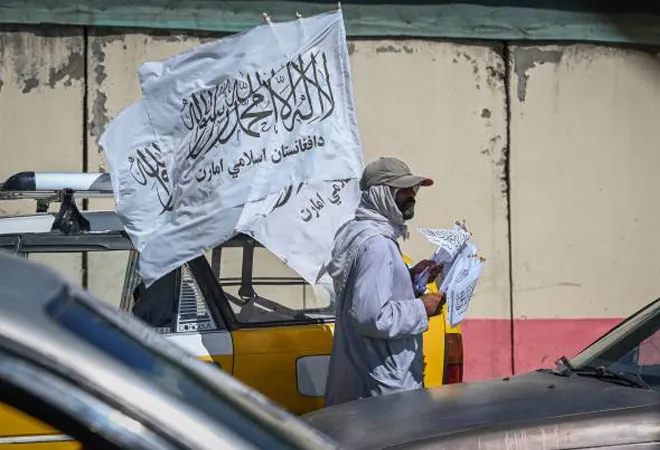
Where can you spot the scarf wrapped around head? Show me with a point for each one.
(376, 215)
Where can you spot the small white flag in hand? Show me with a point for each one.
(462, 268)
(460, 282)
(449, 242)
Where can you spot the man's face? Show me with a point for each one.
(405, 201)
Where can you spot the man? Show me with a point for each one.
(378, 333)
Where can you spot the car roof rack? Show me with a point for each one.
(38, 185)
(47, 187)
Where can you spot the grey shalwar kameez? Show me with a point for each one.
(378, 334)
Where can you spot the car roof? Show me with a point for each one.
(43, 222)
(22, 231)
(28, 327)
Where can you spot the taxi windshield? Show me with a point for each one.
(632, 349)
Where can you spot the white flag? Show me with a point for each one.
(449, 242)
(262, 110)
(235, 122)
(138, 172)
(460, 283)
(462, 267)
(301, 224)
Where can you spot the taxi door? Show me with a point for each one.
(253, 317)
(249, 326)
(282, 331)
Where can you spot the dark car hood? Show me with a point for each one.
(409, 416)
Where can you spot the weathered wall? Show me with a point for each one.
(442, 108)
(42, 90)
(549, 153)
(584, 192)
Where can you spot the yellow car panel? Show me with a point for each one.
(16, 423)
(225, 362)
(434, 345)
(266, 359)
(21, 423)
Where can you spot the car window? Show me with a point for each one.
(156, 305)
(72, 314)
(261, 288)
(193, 311)
(632, 348)
(105, 274)
(101, 272)
(649, 352)
(173, 304)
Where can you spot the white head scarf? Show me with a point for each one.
(376, 215)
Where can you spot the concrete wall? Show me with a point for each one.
(549, 153)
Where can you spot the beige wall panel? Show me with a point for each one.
(41, 97)
(41, 114)
(585, 185)
(114, 60)
(441, 108)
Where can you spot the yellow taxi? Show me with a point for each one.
(237, 307)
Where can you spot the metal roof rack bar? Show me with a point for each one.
(50, 185)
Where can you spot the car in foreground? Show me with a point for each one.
(87, 375)
(606, 397)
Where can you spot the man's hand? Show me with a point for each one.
(433, 303)
(434, 269)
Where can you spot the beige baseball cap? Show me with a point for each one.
(390, 172)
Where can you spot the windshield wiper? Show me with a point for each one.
(603, 373)
(564, 368)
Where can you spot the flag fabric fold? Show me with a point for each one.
(227, 128)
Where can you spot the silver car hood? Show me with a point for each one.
(477, 409)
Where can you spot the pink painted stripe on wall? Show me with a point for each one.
(486, 348)
(537, 343)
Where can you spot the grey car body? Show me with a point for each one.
(608, 396)
(108, 380)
